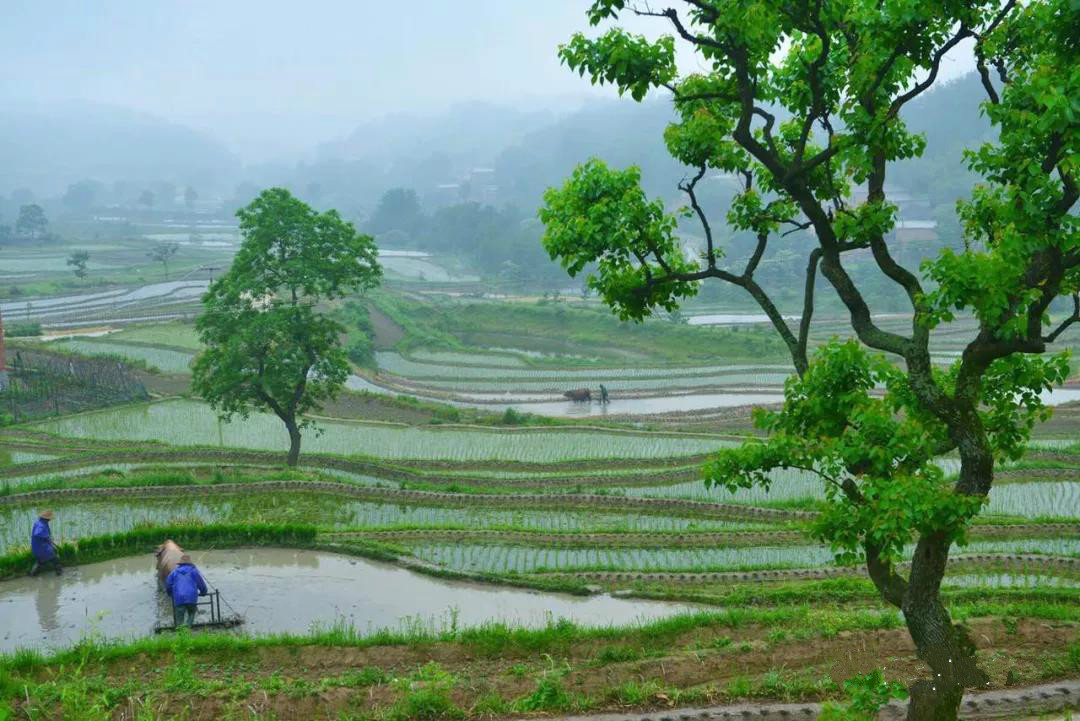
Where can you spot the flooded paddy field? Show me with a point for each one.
(88, 518)
(285, 591)
(182, 422)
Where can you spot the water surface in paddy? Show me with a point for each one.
(541, 403)
(182, 422)
(281, 590)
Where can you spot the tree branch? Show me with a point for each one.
(808, 300)
(688, 188)
(1074, 318)
(962, 33)
(892, 587)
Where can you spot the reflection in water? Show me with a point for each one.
(47, 603)
(281, 590)
(638, 406)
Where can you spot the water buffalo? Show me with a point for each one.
(168, 556)
(579, 395)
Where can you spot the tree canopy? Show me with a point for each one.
(268, 344)
(801, 102)
(31, 221)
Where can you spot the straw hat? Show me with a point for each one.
(184, 558)
(46, 514)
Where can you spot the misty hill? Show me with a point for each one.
(473, 132)
(46, 148)
(948, 115)
(449, 158)
(532, 151)
(620, 132)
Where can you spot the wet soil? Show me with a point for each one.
(704, 660)
(387, 332)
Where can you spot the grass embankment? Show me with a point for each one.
(796, 653)
(116, 545)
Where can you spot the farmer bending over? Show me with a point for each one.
(42, 546)
(185, 584)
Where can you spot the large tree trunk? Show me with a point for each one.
(948, 652)
(294, 442)
(944, 647)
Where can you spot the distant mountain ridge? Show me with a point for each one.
(47, 147)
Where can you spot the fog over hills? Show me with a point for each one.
(513, 152)
(47, 146)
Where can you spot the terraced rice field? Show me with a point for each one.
(176, 335)
(88, 518)
(1029, 500)
(618, 510)
(189, 423)
(439, 369)
(164, 359)
(515, 559)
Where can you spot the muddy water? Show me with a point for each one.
(541, 404)
(282, 590)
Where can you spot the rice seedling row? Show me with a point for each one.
(80, 519)
(519, 559)
(1039, 498)
(1028, 500)
(169, 361)
(172, 334)
(1009, 580)
(502, 360)
(188, 423)
(14, 458)
(506, 558)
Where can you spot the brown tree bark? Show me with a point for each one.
(294, 442)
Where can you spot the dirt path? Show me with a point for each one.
(387, 332)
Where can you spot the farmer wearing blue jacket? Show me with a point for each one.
(185, 584)
(42, 546)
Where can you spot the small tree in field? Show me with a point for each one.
(801, 101)
(268, 346)
(163, 253)
(78, 261)
(31, 221)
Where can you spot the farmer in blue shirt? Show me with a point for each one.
(42, 546)
(185, 584)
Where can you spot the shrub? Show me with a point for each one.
(511, 417)
(22, 329)
(868, 694)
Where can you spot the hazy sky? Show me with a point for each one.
(314, 67)
(283, 75)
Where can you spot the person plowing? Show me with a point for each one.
(185, 584)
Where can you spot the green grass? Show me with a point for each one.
(100, 548)
(561, 328)
(161, 359)
(178, 335)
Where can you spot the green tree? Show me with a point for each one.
(163, 253)
(78, 261)
(31, 221)
(800, 129)
(268, 346)
(398, 209)
(190, 196)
